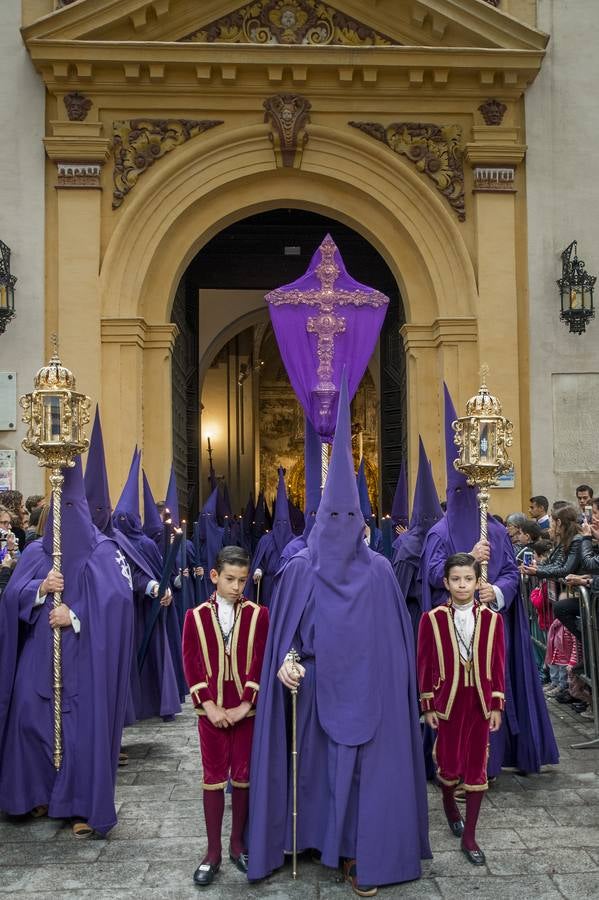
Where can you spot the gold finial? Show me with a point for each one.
(484, 374)
(54, 342)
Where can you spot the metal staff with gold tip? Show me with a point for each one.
(483, 436)
(55, 414)
(293, 658)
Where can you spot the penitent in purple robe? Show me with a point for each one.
(526, 738)
(95, 672)
(362, 790)
(159, 688)
(313, 477)
(271, 546)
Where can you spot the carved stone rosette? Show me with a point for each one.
(492, 111)
(289, 22)
(435, 150)
(494, 179)
(288, 115)
(138, 143)
(77, 106)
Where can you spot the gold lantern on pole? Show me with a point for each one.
(483, 436)
(56, 415)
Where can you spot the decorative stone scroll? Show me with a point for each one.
(493, 2)
(435, 150)
(288, 115)
(492, 111)
(138, 143)
(494, 179)
(77, 106)
(289, 22)
(78, 175)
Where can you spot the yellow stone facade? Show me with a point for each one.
(114, 257)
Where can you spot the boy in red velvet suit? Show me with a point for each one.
(223, 646)
(461, 669)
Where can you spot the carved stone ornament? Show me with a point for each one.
(493, 2)
(138, 143)
(493, 111)
(288, 115)
(77, 106)
(289, 22)
(435, 150)
(78, 175)
(494, 179)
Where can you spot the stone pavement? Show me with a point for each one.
(540, 834)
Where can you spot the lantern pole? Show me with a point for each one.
(55, 414)
(483, 436)
(57, 481)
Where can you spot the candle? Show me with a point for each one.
(387, 529)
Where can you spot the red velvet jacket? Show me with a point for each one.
(207, 667)
(439, 667)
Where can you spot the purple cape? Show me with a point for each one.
(349, 795)
(359, 760)
(95, 670)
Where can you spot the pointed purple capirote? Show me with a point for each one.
(281, 528)
(349, 702)
(399, 508)
(96, 479)
(127, 508)
(462, 506)
(365, 505)
(153, 525)
(426, 511)
(172, 497)
(77, 530)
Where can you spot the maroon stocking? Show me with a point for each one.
(239, 806)
(473, 802)
(449, 805)
(214, 807)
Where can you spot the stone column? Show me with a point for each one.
(78, 152)
(442, 351)
(494, 156)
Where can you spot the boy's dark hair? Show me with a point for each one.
(232, 556)
(461, 559)
(557, 505)
(584, 487)
(531, 529)
(32, 502)
(540, 500)
(542, 547)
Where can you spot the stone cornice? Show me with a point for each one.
(98, 64)
(77, 149)
(421, 22)
(139, 333)
(441, 331)
(495, 145)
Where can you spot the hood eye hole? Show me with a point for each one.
(334, 515)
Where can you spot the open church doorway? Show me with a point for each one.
(230, 388)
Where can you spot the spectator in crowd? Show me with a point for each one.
(538, 510)
(566, 558)
(584, 495)
(542, 549)
(34, 501)
(9, 552)
(513, 524)
(13, 501)
(530, 532)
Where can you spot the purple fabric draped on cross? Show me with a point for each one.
(324, 321)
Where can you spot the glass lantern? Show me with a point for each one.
(576, 288)
(56, 415)
(483, 436)
(7, 288)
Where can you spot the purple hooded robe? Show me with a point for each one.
(359, 746)
(526, 738)
(159, 688)
(95, 672)
(271, 546)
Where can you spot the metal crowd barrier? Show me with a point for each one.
(589, 626)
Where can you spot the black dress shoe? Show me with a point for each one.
(240, 862)
(565, 697)
(457, 828)
(205, 872)
(476, 857)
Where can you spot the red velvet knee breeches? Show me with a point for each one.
(462, 744)
(225, 753)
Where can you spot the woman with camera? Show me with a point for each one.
(9, 550)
